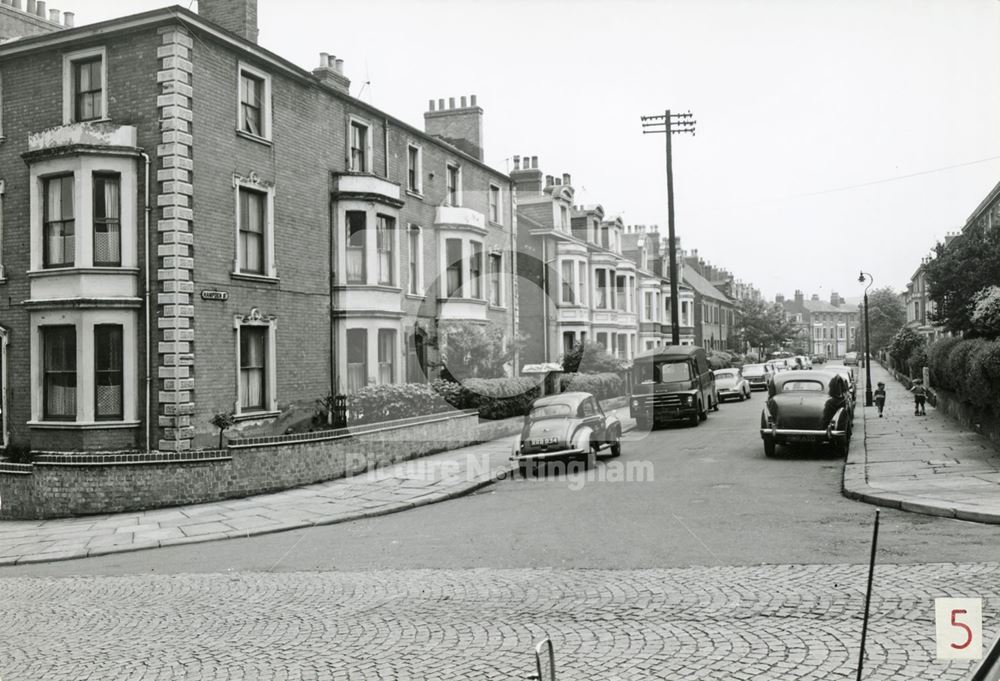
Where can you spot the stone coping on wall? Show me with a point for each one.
(350, 431)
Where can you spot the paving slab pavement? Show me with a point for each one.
(925, 464)
(403, 486)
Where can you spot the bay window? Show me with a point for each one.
(355, 240)
(386, 356)
(453, 266)
(59, 372)
(107, 220)
(385, 228)
(476, 270)
(357, 359)
(496, 279)
(108, 372)
(59, 225)
(567, 287)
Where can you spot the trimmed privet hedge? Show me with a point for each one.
(494, 398)
(968, 368)
(603, 386)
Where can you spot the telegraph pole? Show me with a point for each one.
(670, 124)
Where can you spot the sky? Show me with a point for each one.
(831, 137)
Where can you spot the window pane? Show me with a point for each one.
(59, 371)
(414, 254)
(253, 346)
(384, 238)
(386, 355)
(251, 104)
(107, 224)
(87, 89)
(59, 228)
(567, 281)
(252, 222)
(355, 238)
(476, 270)
(357, 357)
(108, 371)
(453, 258)
(496, 278)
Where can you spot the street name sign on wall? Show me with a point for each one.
(215, 295)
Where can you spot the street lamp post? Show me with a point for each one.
(867, 354)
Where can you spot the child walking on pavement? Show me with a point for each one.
(880, 398)
(919, 397)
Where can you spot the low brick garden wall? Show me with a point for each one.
(59, 485)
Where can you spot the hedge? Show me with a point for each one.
(603, 386)
(494, 398)
(968, 368)
(375, 403)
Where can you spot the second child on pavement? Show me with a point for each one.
(919, 397)
(880, 398)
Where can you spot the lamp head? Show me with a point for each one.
(861, 278)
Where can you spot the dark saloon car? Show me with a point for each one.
(567, 426)
(806, 407)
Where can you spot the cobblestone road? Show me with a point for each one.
(765, 622)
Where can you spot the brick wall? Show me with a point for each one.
(59, 485)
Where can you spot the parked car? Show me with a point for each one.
(819, 359)
(730, 384)
(567, 426)
(806, 407)
(851, 359)
(757, 375)
(848, 375)
(803, 362)
(672, 383)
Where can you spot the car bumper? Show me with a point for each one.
(758, 385)
(790, 435)
(723, 394)
(543, 456)
(659, 414)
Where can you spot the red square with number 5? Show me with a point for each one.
(959, 626)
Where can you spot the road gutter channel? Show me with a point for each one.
(855, 486)
(458, 491)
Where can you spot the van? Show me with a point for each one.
(673, 383)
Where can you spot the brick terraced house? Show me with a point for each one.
(192, 224)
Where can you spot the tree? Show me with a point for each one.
(903, 344)
(476, 351)
(958, 272)
(985, 316)
(764, 326)
(886, 316)
(590, 358)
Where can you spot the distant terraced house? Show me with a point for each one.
(195, 225)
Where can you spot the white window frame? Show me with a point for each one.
(255, 319)
(501, 280)
(395, 279)
(68, 98)
(254, 184)
(265, 114)
(495, 191)
(83, 168)
(467, 251)
(84, 321)
(418, 187)
(415, 288)
(368, 160)
(571, 283)
(581, 284)
(458, 184)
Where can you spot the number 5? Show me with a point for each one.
(968, 631)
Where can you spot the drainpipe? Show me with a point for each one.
(545, 301)
(385, 147)
(331, 208)
(149, 312)
(512, 301)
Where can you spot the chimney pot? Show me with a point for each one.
(549, 181)
(463, 102)
(324, 59)
(473, 102)
(451, 102)
(67, 16)
(430, 105)
(17, 5)
(441, 104)
(517, 159)
(534, 161)
(339, 64)
(30, 9)
(54, 16)
(40, 8)
(566, 178)
(558, 181)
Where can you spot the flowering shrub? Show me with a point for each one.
(968, 368)
(986, 312)
(375, 403)
(603, 386)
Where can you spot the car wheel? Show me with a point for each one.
(749, 393)
(769, 447)
(742, 396)
(616, 445)
(702, 413)
(695, 418)
(842, 446)
(527, 469)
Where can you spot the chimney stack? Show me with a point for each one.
(236, 16)
(528, 180)
(331, 73)
(566, 178)
(461, 127)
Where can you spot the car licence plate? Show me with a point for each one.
(800, 438)
(544, 441)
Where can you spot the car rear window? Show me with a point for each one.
(753, 369)
(725, 374)
(548, 411)
(802, 386)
